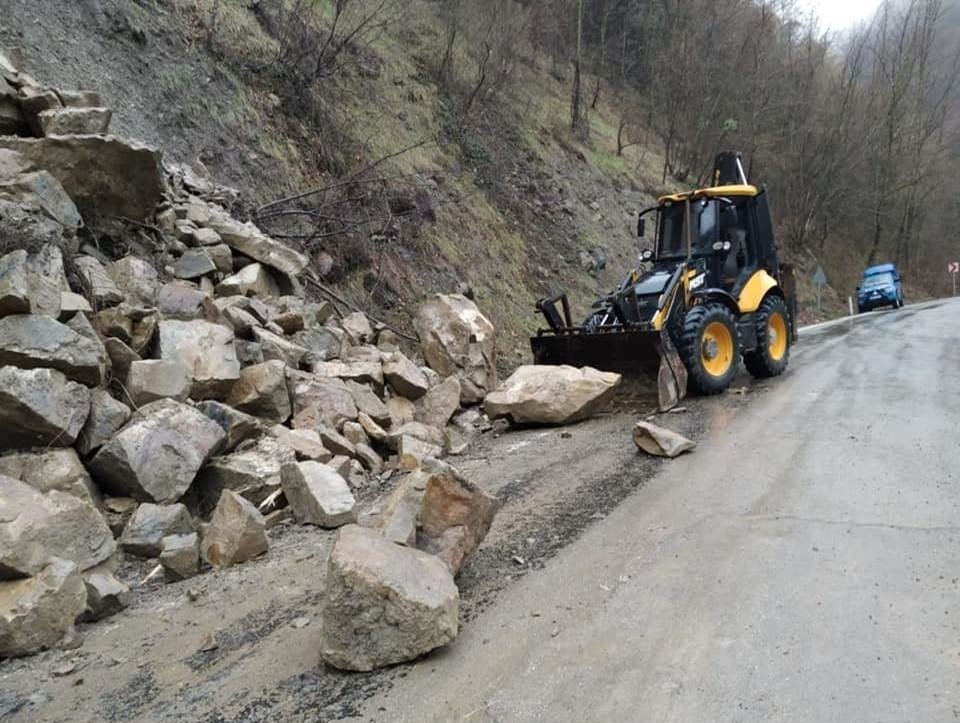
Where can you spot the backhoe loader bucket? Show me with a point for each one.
(631, 352)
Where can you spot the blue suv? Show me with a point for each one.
(880, 286)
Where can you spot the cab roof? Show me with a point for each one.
(712, 192)
(878, 269)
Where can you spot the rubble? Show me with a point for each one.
(437, 406)
(318, 495)
(660, 442)
(384, 604)
(543, 394)
(236, 533)
(144, 533)
(252, 470)
(136, 279)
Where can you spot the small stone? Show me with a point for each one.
(143, 535)
(180, 556)
(106, 595)
(236, 533)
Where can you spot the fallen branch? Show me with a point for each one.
(327, 291)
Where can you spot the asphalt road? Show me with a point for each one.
(801, 565)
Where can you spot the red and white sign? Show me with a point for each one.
(954, 267)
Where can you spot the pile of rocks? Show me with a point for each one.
(177, 406)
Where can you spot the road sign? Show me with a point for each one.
(954, 267)
(819, 279)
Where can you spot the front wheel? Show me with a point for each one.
(710, 348)
(773, 340)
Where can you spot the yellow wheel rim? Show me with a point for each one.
(776, 336)
(716, 349)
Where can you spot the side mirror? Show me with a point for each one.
(641, 227)
(646, 254)
(858, 288)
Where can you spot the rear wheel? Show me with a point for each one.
(710, 348)
(773, 339)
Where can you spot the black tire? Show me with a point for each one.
(764, 360)
(691, 347)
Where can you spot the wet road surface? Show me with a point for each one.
(802, 564)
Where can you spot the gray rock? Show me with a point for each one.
(53, 469)
(336, 442)
(236, 533)
(75, 121)
(47, 280)
(14, 284)
(37, 612)
(177, 300)
(274, 346)
(402, 410)
(357, 371)
(305, 443)
(397, 520)
(358, 328)
(404, 377)
(369, 458)
(180, 556)
(156, 455)
(104, 175)
(319, 401)
(206, 350)
(253, 471)
(35, 527)
(206, 237)
(318, 495)
(237, 425)
(544, 394)
(660, 442)
(151, 379)
(369, 403)
(193, 264)
(384, 604)
(133, 325)
(117, 511)
(355, 434)
(137, 280)
(40, 407)
(251, 280)
(321, 344)
(146, 529)
(221, 255)
(456, 338)
(97, 283)
(119, 353)
(250, 241)
(436, 407)
(261, 391)
(106, 595)
(288, 312)
(32, 341)
(106, 416)
(370, 427)
(72, 304)
(248, 352)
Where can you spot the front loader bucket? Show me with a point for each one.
(632, 353)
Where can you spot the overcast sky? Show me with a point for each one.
(840, 14)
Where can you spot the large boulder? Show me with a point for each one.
(262, 391)
(37, 612)
(404, 377)
(32, 341)
(384, 604)
(206, 350)
(237, 532)
(238, 426)
(318, 495)
(156, 455)
(52, 469)
(144, 533)
(319, 401)
(35, 527)
(457, 339)
(251, 241)
(436, 407)
(97, 283)
(29, 214)
(104, 175)
(253, 471)
(106, 416)
(137, 279)
(75, 121)
(14, 283)
(542, 394)
(40, 407)
(151, 379)
(251, 280)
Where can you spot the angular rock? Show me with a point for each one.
(156, 455)
(318, 401)
(104, 176)
(48, 470)
(206, 237)
(206, 350)
(318, 495)
(177, 300)
(358, 328)
(404, 377)
(305, 443)
(221, 255)
(106, 416)
(413, 452)
(416, 430)
(660, 442)
(436, 407)
(14, 283)
(384, 604)
(402, 410)
(251, 280)
(72, 304)
(243, 322)
(119, 353)
(80, 98)
(397, 520)
(543, 394)
(275, 346)
(357, 371)
(251, 241)
(193, 264)
(455, 515)
(253, 471)
(457, 339)
(106, 595)
(248, 352)
(236, 533)
(133, 325)
(97, 284)
(262, 391)
(373, 430)
(354, 433)
(47, 280)
(31, 341)
(37, 612)
(369, 458)
(137, 280)
(180, 556)
(238, 426)
(40, 408)
(144, 533)
(75, 121)
(35, 527)
(321, 344)
(336, 442)
(117, 511)
(151, 379)
(288, 313)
